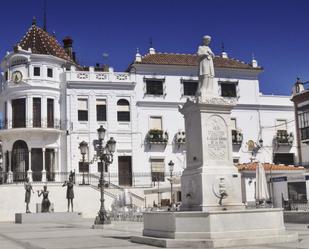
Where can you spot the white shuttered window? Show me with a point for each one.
(155, 123)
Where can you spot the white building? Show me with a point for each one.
(50, 104)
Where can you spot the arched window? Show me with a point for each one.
(123, 110)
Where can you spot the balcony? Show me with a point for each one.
(284, 138)
(180, 138)
(155, 136)
(237, 137)
(33, 124)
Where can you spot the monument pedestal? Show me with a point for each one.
(210, 173)
(214, 228)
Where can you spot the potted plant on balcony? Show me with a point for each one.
(157, 136)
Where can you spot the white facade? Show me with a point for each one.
(257, 116)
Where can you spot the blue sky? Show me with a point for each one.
(275, 31)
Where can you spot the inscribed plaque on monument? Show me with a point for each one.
(217, 144)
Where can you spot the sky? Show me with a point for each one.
(276, 32)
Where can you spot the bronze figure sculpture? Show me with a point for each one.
(28, 188)
(45, 200)
(70, 192)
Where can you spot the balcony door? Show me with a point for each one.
(36, 112)
(125, 171)
(20, 160)
(50, 113)
(19, 113)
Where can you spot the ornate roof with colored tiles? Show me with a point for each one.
(192, 60)
(41, 42)
(267, 167)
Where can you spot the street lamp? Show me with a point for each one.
(105, 154)
(83, 146)
(171, 168)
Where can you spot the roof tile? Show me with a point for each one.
(41, 42)
(192, 60)
(267, 167)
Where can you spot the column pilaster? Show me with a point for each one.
(10, 173)
(29, 172)
(29, 114)
(44, 111)
(57, 164)
(9, 114)
(57, 115)
(44, 166)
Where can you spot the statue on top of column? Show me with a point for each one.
(206, 69)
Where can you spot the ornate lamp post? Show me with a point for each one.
(83, 146)
(105, 154)
(171, 168)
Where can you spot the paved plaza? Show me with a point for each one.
(80, 236)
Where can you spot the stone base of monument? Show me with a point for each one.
(27, 218)
(100, 226)
(214, 228)
(38, 207)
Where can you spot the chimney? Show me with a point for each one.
(224, 55)
(254, 62)
(298, 87)
(152, 51)
(138, 57)
(68, 47)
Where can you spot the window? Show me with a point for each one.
(82, 109)
(36, 109)
(154, 87)
(36, 71)
(303, 122)
(49, 72)
(228, 90)
(101, 109)
(83, 167)
(19, 113)
(284, 158)
(157, 170)
(5, 115)
(123, 110)
(281, 125)
(233, 124)
(189, 88)
(50, 113)
(155, 123)
(297, 191)
(6, 75)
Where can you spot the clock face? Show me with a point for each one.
(17, 76)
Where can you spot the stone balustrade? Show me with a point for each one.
(98, 76)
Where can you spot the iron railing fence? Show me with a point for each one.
(138, 179)
(301, 205)
(33, 123)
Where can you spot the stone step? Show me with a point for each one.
(26, 218)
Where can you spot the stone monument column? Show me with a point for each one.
(210, 181)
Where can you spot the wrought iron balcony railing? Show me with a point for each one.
(30, 123)
(155, 136)
(237, 137)
(284, 138)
